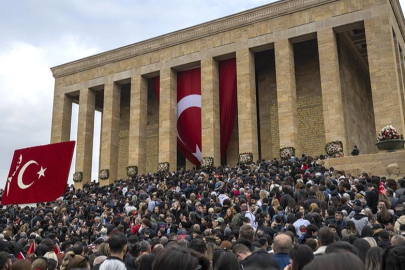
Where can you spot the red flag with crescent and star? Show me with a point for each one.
(189, 114)
(38, 174)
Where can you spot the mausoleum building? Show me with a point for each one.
(308, 72)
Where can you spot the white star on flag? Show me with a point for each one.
(41, 172)
(197, 153)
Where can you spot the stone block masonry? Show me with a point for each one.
(314, 87)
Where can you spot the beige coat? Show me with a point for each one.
(399, 222)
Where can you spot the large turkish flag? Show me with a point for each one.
(38, 174)
(189, 114)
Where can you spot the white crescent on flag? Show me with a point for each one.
(185, 103)
(188, 102)
(21, 174)
(189, 132)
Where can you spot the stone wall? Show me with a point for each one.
(373, 164)
(124, 132)
(259, 26)
(268, 112)
(152, 131)
(357, 100)
(311, 129)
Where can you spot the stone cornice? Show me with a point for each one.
(241, 19)
(399, 16)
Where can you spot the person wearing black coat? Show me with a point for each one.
(372, 197)
(355, 151)
(311, 199)
(285, 198)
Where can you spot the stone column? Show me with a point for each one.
(210, 116)
(286, 94)
(247, 114)
(137, 123)
(400, 69)
(61, 118)
(333, 113)
(85, 131)
(110, 131)
(168, 118)
(385, 86)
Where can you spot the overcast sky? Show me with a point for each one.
(37, 35)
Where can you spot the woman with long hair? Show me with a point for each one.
(262, 195)
(164, 208)
(299, 194)
(290, 209)
(104, 249)
(374, 258)
(155, 213)
(211, 247)
(275, 203)
(383, 215)
(300, 255)
(230, 212)
(363, 246)
(227, 261)
(300, 207)
(312, 207)
(318, 194)
(21, 232)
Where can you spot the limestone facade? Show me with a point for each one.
(308, 72)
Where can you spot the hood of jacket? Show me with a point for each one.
(359, 216)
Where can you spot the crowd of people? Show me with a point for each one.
(278, 214)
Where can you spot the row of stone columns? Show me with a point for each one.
(384, 83)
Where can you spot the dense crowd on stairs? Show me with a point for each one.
(277, 214)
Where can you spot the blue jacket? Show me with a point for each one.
(282, 259)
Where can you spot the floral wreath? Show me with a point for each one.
(104, 174)
(332, 148)
(389, 133)
(245, 158)
(287, 152)
(132, 171)
(78, 177)
(207, 162)
(163, 167)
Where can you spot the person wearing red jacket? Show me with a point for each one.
(137, 226)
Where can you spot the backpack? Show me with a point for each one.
(264, 210)
(240, 220)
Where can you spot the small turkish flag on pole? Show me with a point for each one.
(20, 256)
(31, 249)
(38, 174)
(56, 249)
(381, 188)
